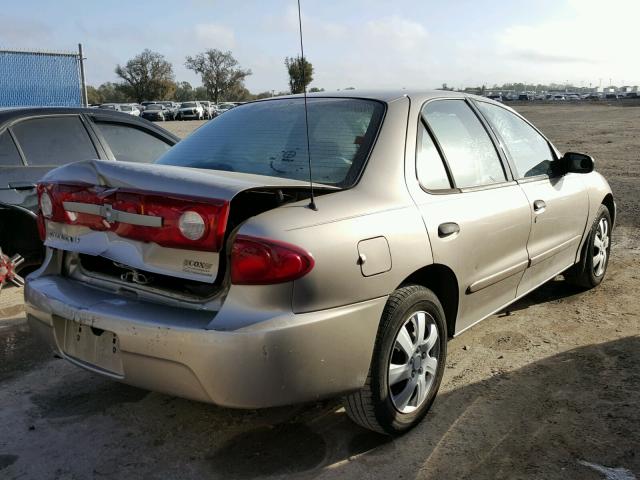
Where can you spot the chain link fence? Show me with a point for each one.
(41, 78)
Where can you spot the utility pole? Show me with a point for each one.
(83, 83)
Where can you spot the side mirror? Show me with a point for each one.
(573, 162)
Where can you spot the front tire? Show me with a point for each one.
(592, 268)
(407, 365)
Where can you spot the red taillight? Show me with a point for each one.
(162, 213)
(258, 261)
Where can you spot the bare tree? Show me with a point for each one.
(147, 76)
(220, 73)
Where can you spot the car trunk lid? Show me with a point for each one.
(129, 213)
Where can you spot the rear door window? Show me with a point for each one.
(9, 155)
(466, 145)
(130, 144)
(54, 141)
(430, 169)
(529, 150)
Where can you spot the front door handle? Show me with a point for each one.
(539, 206)
(447, 229)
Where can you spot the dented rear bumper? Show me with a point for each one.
(288, 358)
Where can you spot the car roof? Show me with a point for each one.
(9, 114)
(386, 96)
(15, 112)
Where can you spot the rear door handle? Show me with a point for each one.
(22, 186)
(447, 229)
(539, 206)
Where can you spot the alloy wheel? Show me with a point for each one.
(414, 362)
(600, 247)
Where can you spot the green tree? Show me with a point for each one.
(113, 93)
(184, 92)
(267, 94)
(240, 94)
(147, 76)
(300, 73)
(200, 93)
(316, 89)
(93, 95)
(220, 73)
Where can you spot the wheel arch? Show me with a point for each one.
(442, 281)
(608, 202)
(21, 233)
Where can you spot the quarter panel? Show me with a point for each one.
(337, 278)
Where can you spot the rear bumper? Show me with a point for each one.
(289, 358)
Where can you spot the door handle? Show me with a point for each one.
(22, 186)
(447, 229)
(539, 206)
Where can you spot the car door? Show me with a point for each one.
(477, 217)
(13, 174)
(46, 142)
(559, 203)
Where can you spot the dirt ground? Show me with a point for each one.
(549, 389)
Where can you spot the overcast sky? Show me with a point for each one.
(364, 44)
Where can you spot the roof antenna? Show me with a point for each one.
(312, 203)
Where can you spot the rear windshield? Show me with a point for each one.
(188, 105)
(268, 138)
(154, 106)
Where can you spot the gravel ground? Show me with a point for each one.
(548, 389)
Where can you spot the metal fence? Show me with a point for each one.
(42, 78)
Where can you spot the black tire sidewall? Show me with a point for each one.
(589, 274)
(420, 299)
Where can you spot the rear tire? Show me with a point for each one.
(591, 269)
(407, 365)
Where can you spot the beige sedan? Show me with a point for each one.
(213, 275)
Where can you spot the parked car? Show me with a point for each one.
(36, 140)
(224, 282)
(190, 111)
(171, 110)
(207, 108)
(156, 112)
(110, 106)
(130, 109)
(225, 106)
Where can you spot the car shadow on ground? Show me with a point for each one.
(554, 290)
(536, 422)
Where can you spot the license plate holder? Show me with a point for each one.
(94, 347)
